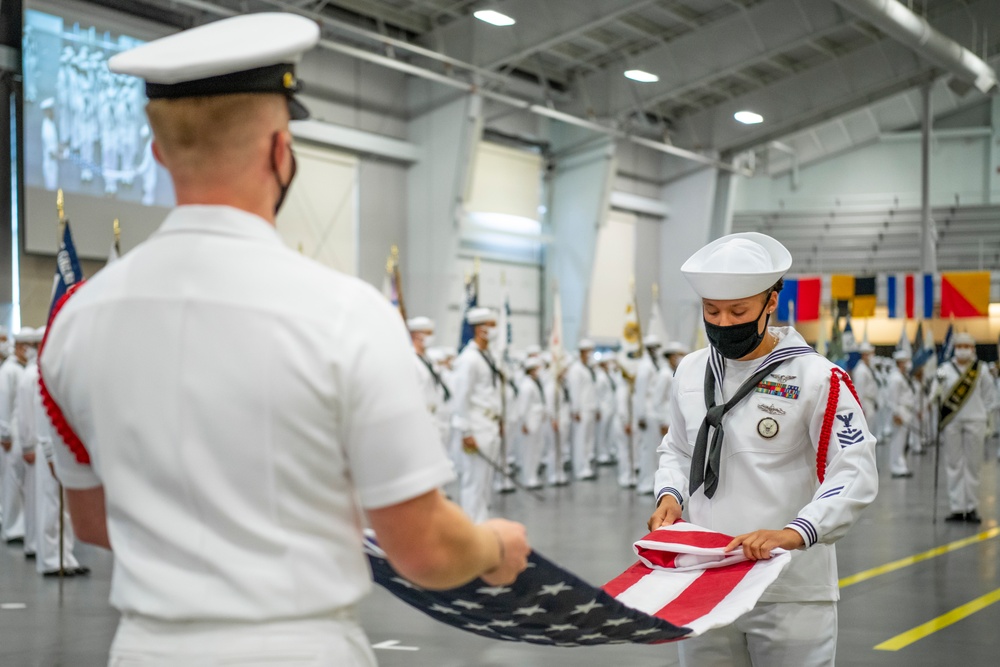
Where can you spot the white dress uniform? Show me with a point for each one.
(964, 436)
(25, 442)
(11, 462)
(535, 420)
(769, 465)
(606, 407)
(867, 387)
(434, 391)
(248, 408)
(477, 414)
(36, 436)
(581, 381)
(623, 441)
(557, 400)
(645, 410)
(904, 408)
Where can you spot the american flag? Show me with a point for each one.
(682, 586)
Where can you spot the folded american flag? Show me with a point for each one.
(682, 586)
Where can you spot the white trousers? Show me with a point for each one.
(626, 459)
(963, 443)
(584, 433)
(897, 450)
(647, 460)
(532, 446)
(605, 442)
(476, 475)
(326, 642)
(772, 634)
(13, 494)
(47, 512)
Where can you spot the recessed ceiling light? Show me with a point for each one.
(641, 76)
(494, 17)
(748, 117)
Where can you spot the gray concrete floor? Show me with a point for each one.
(588, 528)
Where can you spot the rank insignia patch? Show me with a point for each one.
(767, 427)
(848, 435)
(778, 389)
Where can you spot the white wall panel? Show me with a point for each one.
(505, 180)
(614, 270)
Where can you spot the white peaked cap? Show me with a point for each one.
(47, 103)
(963, 338)
(249, 53)
(651, 340)
(29, 335)
(480, 316)
(901, 355)
(420, 323)
(675, 347)
(532, 363)
(865, 347)
(585, 344)
(533, 350)
(737, 266)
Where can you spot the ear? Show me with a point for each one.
(156, 153)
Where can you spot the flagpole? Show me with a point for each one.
(558, 473)
(506, 483)
(631, 386)
(118, 238)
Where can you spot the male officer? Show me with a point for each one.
(967, 396)
(904, 413)
(227, 408)
(581, 381)
(15, 521)
(766, 437)
(607, 386)
(534, 421)
(478, 383)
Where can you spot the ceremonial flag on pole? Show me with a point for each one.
(68, 271)
(850, 355)
(965, 294)
(471, 301)
(682, 586)
(904, 341)
(948, 346)
(910, 295)
(920, 351)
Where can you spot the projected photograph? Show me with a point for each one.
(85, 128)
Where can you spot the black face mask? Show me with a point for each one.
(282, 187)
(737, 340)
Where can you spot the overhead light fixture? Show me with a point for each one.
(494, 17)
(641, 76)
(748, 117)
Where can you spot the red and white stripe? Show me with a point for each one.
(684, 577)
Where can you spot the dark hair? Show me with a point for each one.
(778, 285)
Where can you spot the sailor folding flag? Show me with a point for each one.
(682, 586)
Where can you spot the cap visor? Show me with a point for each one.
(297, 110)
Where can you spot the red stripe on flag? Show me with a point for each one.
(705, 593)
(691, 538)
(909, 295)
(807, 306)
(954, 303)
(625, 580)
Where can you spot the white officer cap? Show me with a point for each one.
(29, 335)
(585, 344)
(480, 316)
(901, 355)
(866, 347)
(651, 340)
(964, 338)
(532, 363)
(47, 103)
(533, 350)
(250, 53)
(675, 347)
(737, 266)
(420, 323)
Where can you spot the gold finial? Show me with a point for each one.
(656, 291)
(60, 201)
(394, 253)
(118, 232)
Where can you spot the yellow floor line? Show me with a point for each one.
(910, 560)
(930, 627)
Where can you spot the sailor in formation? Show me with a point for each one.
(18, 519)
(905, 415)
(768, 443)
(581, 381)
(535, 421)
(607, 386)
(434, 389)
(644, 415)
(863, 376)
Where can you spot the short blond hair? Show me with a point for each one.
(214, 134)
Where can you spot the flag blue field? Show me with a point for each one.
(68, 271)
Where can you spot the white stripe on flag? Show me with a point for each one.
(657, 589)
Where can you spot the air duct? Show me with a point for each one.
(913, 31)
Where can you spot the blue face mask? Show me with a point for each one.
(738, 340)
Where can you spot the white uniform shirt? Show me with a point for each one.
(581, 383)
(476, 393)
(27, 427)
(644, 377)
(606, 386)
(531, 404)
(238, 401)
(659, 397)
(904, 398)
(978, 405)
(771, 482)
(430, 388)
(10, 377)
(867, 387)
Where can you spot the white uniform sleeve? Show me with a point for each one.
(25, 409)
(851, 479)
(393, 448)
(461, 392)
(8, 390)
